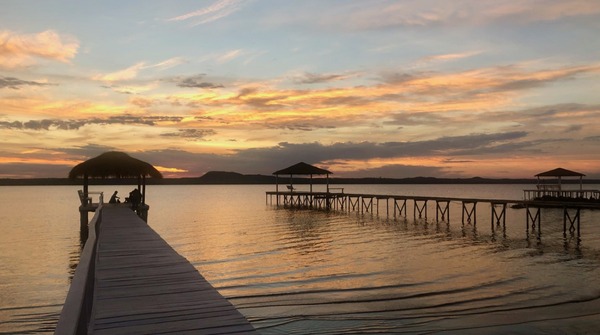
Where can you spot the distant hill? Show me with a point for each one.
(230, 178)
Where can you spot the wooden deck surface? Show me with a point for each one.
(143, 286)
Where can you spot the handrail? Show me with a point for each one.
(76, 311)
(100, 196)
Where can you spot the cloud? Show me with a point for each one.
(14, 83)
(448, 57)
(17, 50)
(169, 63)
(402, 171)
(196, 81)
(132, 71)
(121, 75)
(34, 170)
(229, 56)
(268, 159)
(312, 78)
(61, 124)
(428, 14)
(191, 134)
(214, 12)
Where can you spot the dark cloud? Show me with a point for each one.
(400, 77)
(366, 150)
(269, 159)
(191, 134)
(312, 78)
(28, 170)
(15, 83)
(266, 160)
(573, 128)
(417, 118)
(538, 81)
(552, 110)
(59, 124)
(196, 81)
(301, 126)
(403, 171)
(87, 151)
(34, 170)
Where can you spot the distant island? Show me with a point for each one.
(234, 178)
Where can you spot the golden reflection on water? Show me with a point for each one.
(294, 271)
(39, 246)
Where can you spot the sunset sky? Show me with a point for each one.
(364, 88)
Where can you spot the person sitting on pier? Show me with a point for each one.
(114, 199)
(135, 197)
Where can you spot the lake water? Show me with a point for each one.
(304, 272)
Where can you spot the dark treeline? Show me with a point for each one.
(233, 178)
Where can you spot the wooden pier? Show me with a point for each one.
(396, 206)
(130, 281)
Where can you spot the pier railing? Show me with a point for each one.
(77, 309)
(543, 193)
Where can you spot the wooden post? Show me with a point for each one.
(471, 214)
(420, 210)
(400, 209)
(277, 188)
(83, 218)
(534, 218)
(496, 217)
(445, 211)
(85, 186)
(144, 191)
(575, 219)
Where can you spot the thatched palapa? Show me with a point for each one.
(114, 164)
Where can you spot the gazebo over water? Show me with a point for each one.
(300, 169)
(308, 199)
(556, 176)
(112, 164)
(550, 186)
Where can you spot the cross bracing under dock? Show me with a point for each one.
(372, 203)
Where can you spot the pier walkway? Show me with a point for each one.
(132, 282)
(396, 205)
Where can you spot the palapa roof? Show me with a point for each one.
(560, 172)
(302, 168)
(114, 164)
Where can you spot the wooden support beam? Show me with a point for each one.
(366, 205)
(535, 219)
(443, 211)
(471, 213)
(401, 209)
(576, 219)
(420, 209)
(498, 214)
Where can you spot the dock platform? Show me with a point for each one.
(141, 285)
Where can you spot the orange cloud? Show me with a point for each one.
(18, 50)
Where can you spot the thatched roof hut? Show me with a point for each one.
(114, 164)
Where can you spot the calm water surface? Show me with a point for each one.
(301, 272)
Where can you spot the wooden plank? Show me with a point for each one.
(144, 286)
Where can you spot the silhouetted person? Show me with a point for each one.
(114, 199)
(135, 197)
